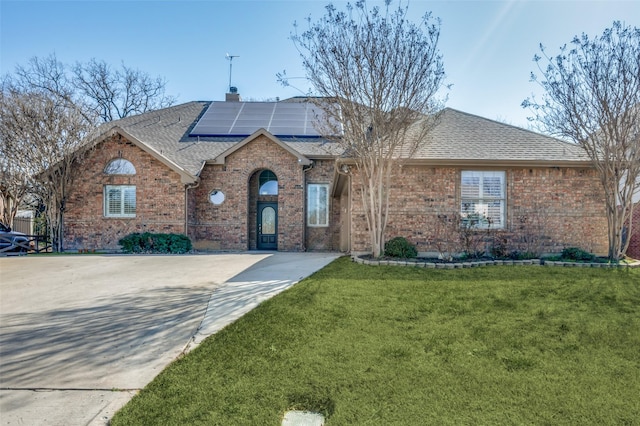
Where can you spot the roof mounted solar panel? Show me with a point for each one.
(244, 118)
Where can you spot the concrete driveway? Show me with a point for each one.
(80, 335)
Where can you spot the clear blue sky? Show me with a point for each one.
(487, 46)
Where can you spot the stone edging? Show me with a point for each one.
(458, 265)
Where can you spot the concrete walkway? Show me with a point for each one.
(80, 335)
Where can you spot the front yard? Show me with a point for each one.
(410, 346)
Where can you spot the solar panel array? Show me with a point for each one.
(244, 118)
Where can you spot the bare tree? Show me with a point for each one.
(14, 185)
(119, 93)
(40, 138)
(14, 173)
(532, 225)
(381, 73)
(15, 170)
(48, 109)
(592, 97)
(95, 87)
(47, 75)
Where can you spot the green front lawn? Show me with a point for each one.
(404, 346)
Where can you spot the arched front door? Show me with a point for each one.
(267, 211)
(267, 226)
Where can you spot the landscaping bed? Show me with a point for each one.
(455, 264)
(400, 252)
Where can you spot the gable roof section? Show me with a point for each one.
(166, 131)
(462, 138)
(163, 131)
(458, 138)
(185, 176)
(220, 159)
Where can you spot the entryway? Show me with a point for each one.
(263, 211)
(267, 226)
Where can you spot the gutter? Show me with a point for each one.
(453, 162)
(497, 163)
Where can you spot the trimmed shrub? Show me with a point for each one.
(400, 247)
(577, 254)
(155, 243)
(520, 255)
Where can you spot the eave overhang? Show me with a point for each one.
(483, 163)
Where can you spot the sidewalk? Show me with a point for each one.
(260, 282)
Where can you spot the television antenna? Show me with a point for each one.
(230, 58)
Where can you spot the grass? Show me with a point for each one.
(403, 346)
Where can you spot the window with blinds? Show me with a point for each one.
(120, 201)
(482, 195)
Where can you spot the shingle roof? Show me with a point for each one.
(458, 136)
(167, 132)
(461, 136)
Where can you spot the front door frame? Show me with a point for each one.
(266, 241)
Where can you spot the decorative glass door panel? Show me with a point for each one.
(267, 226)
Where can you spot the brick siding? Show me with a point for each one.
(324, 238)
(159, 197)
(564, 202)
(564, 205)
(232, 224)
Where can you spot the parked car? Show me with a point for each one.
(12, 241)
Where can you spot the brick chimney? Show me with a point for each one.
(233, 95)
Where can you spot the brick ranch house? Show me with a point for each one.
(217, 173)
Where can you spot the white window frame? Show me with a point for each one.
(120, 166)
(316, 216)
(124, 190)
(489, 201)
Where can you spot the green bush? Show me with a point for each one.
(577, 254)
(522, 255)
(400, 247)
(147, 242)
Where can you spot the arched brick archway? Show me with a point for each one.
(263, 210)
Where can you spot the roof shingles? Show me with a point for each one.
(457, 136)
(462, 136)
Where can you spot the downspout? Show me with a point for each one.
(187, 187)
